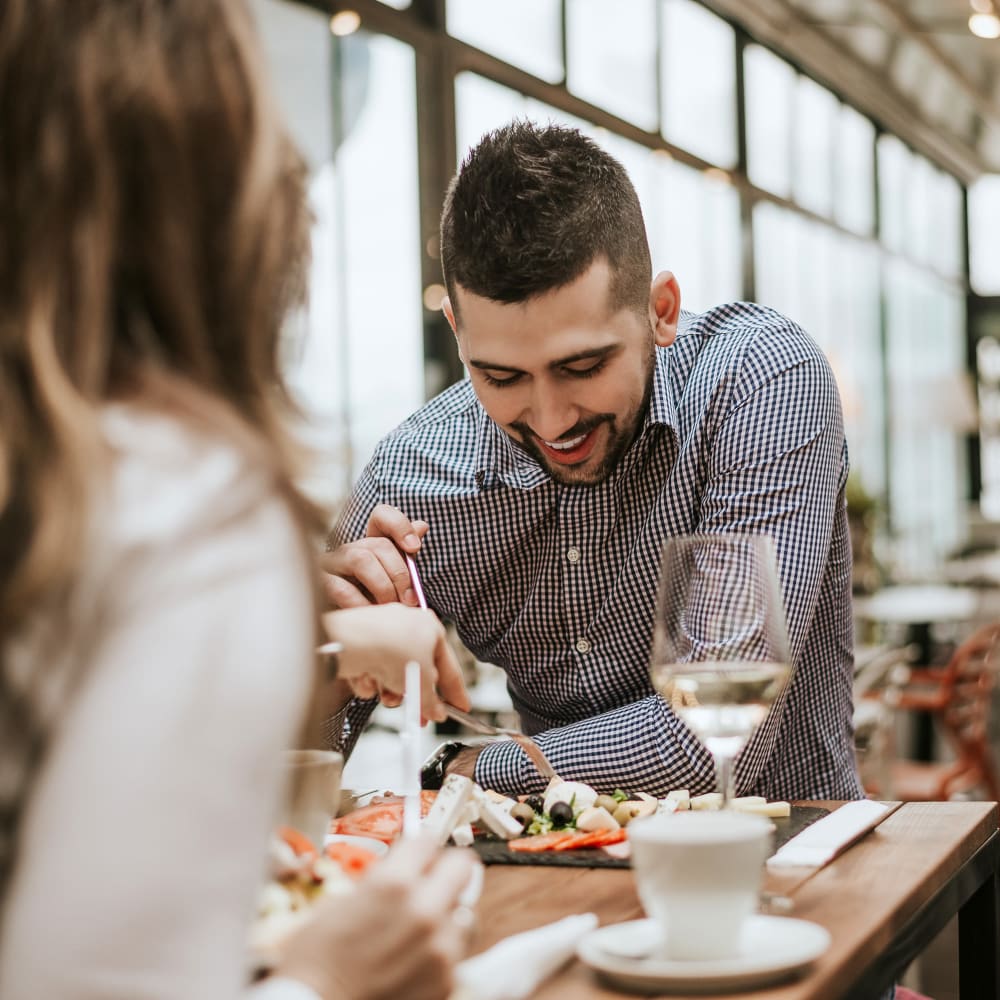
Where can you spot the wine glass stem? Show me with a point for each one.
(724, 776)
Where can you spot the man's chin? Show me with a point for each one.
(587, 473)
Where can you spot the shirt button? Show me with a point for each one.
(583, 645)
(573, 555)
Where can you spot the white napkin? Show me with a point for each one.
(823, 840)
(516, 966)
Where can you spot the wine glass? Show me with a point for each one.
(720, 655)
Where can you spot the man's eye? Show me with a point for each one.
(594, 369)
(499, 382)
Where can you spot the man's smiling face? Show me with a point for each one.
(566, 374)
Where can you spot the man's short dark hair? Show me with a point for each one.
(531, 208)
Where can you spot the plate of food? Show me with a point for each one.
(299, 877)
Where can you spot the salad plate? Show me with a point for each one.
(772, 949)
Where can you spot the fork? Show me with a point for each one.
(529, 746)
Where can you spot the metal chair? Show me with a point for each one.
(959, 698)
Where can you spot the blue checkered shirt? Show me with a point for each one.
(557, 583)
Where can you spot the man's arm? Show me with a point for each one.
(639, 747)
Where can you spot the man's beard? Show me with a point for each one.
(620, 439)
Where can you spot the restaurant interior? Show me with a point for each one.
(838, 160)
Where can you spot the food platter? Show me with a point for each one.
(497, 852)
(541, 843)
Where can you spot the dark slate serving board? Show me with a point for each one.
(496, 852)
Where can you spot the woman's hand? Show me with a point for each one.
(395, 936)
(379, 640)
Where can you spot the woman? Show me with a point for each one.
(157, 612)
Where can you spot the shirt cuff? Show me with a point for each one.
(281, 988)
(333, 729)
(504, 767)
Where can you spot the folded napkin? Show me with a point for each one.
(823, 840)
(516, 966)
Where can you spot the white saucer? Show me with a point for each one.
(368, 843)
(771, 949)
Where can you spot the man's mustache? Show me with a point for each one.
(583, 427)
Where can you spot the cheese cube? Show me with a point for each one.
(681, 797)
(773, 810)
(446, 813)
(495, 817)
(709, 801)
(462, 835)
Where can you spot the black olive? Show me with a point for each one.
(561, 814)
(536, 802)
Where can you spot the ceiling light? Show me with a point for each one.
(346, 22)
(982, 6)
(985, 25)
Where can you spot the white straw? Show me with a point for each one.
(411, 750)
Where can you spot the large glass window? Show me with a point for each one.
(947, 238)
(893, 176)
(984, 235)
(813, 165)
(524, 33)
(611, 51)
(702, 118)
(365, 236)
(770, 92)
(694, 231)
(854, 171)
(482, 105)
(828, 284)
(931, 410)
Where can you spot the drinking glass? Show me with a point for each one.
(720, 655)
(312, 792)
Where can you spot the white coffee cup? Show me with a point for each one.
(698, 875)
(312, 791)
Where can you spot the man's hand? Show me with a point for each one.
(378, 643)
(373, 570)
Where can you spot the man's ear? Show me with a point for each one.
(449, 314)
(664, 308)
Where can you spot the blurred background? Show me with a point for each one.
(836, 159)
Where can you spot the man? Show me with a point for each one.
(598, 420)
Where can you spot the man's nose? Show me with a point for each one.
(552, 414)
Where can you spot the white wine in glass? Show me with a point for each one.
(720, 655)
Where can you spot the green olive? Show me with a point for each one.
(623, 814)
(523, 813)
(606, 802)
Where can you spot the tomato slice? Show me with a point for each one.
(352, 859)
(541, 841)
(603, 838)
(382, 820)
(297, 841)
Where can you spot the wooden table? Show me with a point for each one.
(882, 901)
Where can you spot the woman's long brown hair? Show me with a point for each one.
(153, 233)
